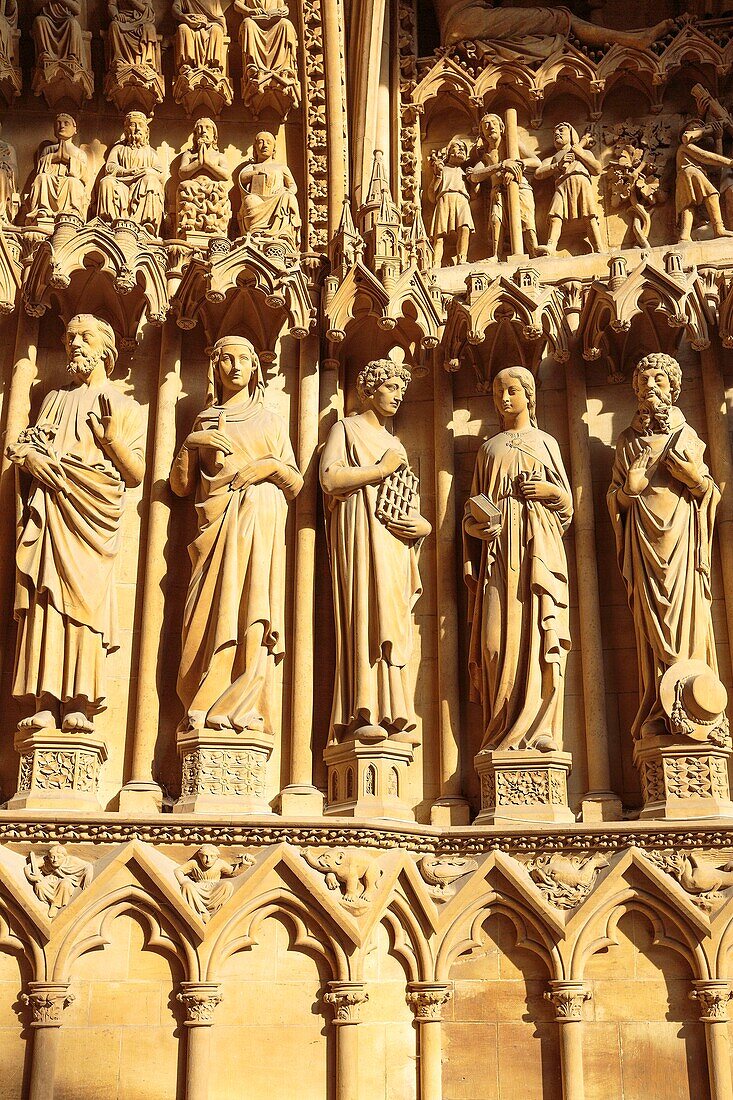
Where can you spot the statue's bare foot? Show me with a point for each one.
(76, 721)
(41, 720)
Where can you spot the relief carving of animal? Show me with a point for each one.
(356, 872)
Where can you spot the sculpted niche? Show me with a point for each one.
(517, 575)
(239, 462)
(373, 527)
(84, 450)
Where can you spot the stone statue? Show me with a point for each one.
(131, 36)
(8, 27)
(571, 168)
(269, 56)
(56, 878)
(633, 180)
(516, 571)
(452, 214)
(239, 461)
(84, 450)
(202, 198)
(532, 32)
(693, 188)
(199, 41)
(132, 185)
(203, 879)
(60, 183)
(8, 181)
(499, 172)
(269, 206)
(374, 571)
(57, 32)
(662, 502)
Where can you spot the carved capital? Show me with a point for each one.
(199, 1000)
(426, 999)
(47, 1001)
(346, 999)
(713, 998)
(567, 999)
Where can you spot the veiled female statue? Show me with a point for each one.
(517, 575)
(239, 461)
(374, 570)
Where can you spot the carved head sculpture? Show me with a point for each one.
(234, 365)
(89, 341)
(56, 856)
(382, 384)
(491, 128)
(657, 383)
(207, 856)
(137, 129)
(514, 389)
(64, 127)
(264, 146)
(205, 132)
(457, 151)
(565, 135)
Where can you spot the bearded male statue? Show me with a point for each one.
(662, 501)
(83, 452)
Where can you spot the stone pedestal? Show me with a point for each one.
(523, 785)
(58, 770)
(683, 780)
(365, 779)
(223, 772)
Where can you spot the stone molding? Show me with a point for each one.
(426, 999)
(199, 1000)
(713, 998)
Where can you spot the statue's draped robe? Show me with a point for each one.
(233, 622)
(663, 542)
(141, 198)
(57, 887)
(8, 26)
(65, 600)
(132, 38)
(204, 888)
(59, 187)
(269, 205)
(57, 34)
(203, 47)
(518, 594)
(376, 584)
(269, 45)
(511, 31)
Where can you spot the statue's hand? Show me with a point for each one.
(685, 470)
(391, 461)
(411, 528)
(531, 488)
(104, 423)
(46, 469)
(261, 470)
(636, 479)
(213, 439)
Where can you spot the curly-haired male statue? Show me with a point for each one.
(376, 582)
(662, 501)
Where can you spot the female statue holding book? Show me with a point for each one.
(517, 575)
(372, 527)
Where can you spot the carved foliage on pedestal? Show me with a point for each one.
(354, 873)
(228, 772)
(568, 998)
(346, 999)
(199, 999)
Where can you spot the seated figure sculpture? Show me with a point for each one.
(62, 73)
(132, 54)
(8, 181)
(202, 198)
(269, 56)
(132, 185)
(60, 183)
(269, 206)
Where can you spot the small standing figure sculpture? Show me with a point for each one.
(571, 166)
(499, 173)
(56, 878)
(374, 572)
(452, 214)
(239, 461)
(203, 879)
(693, 188)
(269, 206)
(517, 575)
